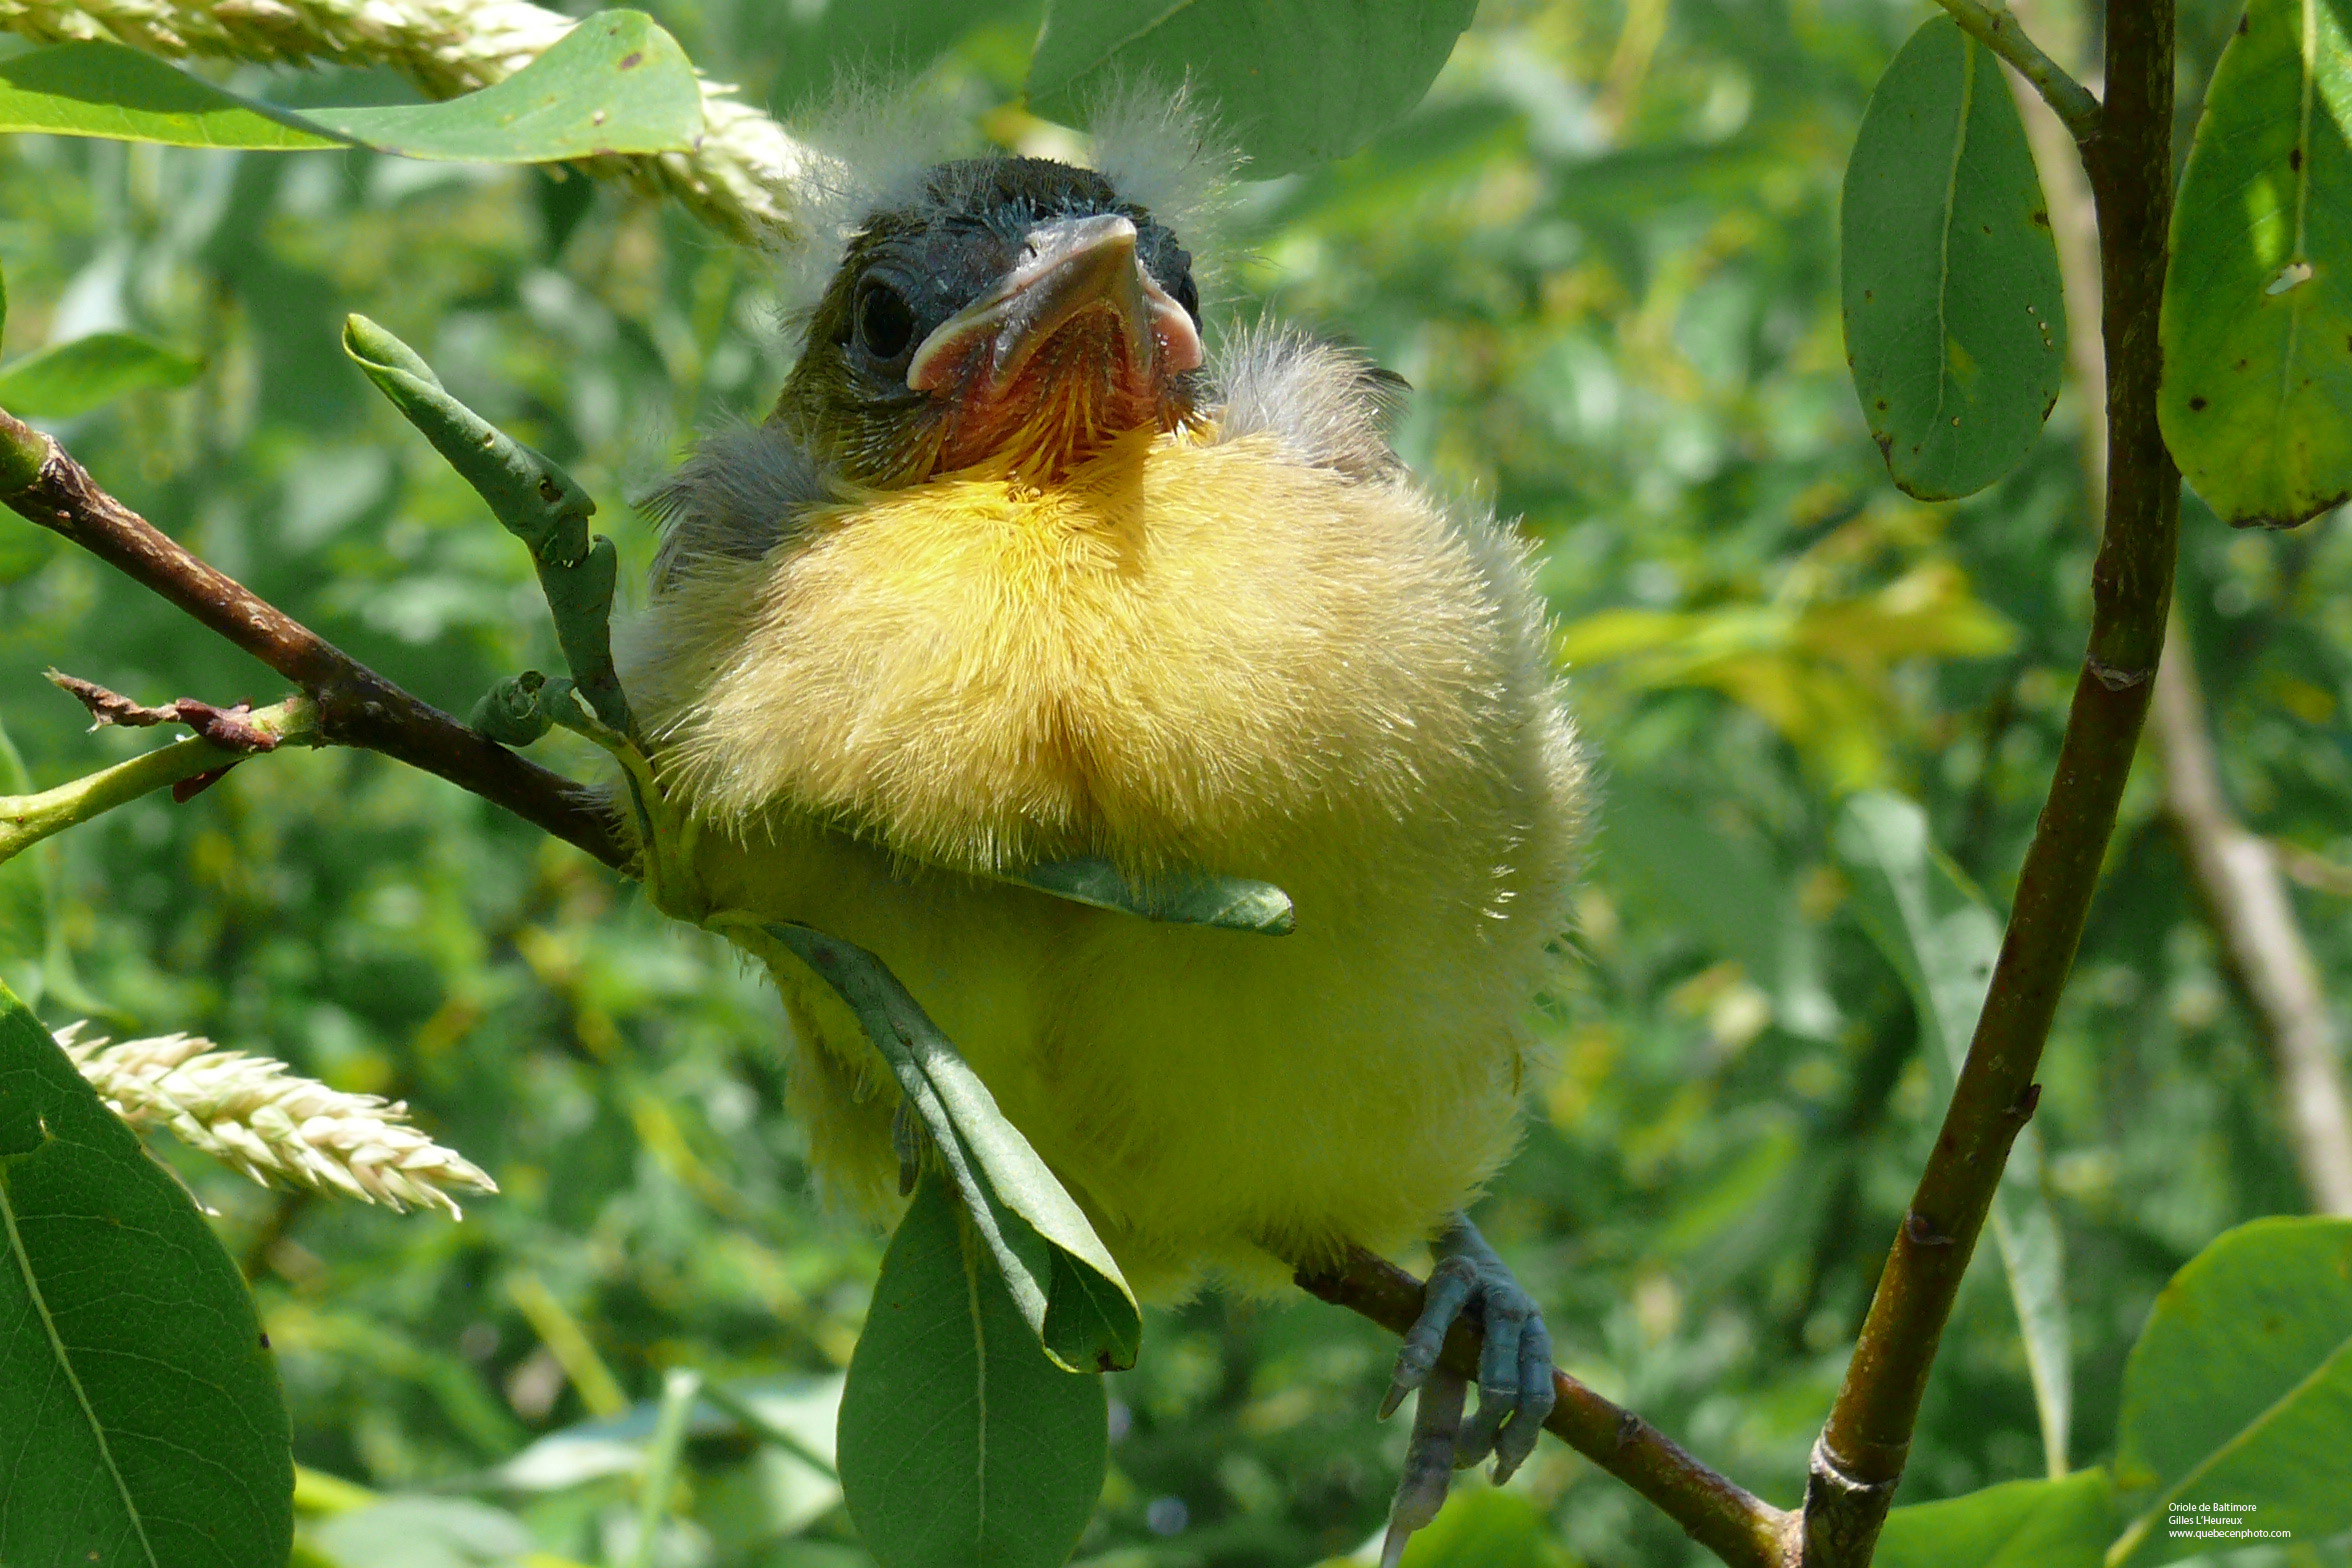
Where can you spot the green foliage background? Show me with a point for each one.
(1604, 252)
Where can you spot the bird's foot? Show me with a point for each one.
(1514, 1381)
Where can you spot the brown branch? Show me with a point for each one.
(1742, 1529)
(2241, 878)
(1861, 1453)
(2238, 876)
(355, 705)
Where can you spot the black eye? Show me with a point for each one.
(1187, 294)
(885, 323)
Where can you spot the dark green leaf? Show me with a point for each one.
(2020, 1524)
(2257, 396)
(1938, 933)
(1955, 326)
(24, 890)
(1059, 1274)
(1184, 898)
(2237, 1400)
(888, 40)
(1294, 82)
(961, 1445)
(72, 378)
(142, 1405)
(616, 83)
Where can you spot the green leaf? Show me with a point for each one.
(422, 1532)
(1483, 1528)
(2257, 328)
(1060, 1276)
(961, 1445)
(614, 84)
(1939, 935)
(1727, 890)
(144, 1421)
(1293, 82)
(2019, 1524)
(2239, 1393)
(113, 91)
(67, 379)
(25, 882)
(1955, 326)
(1188, 898)
(890, 41)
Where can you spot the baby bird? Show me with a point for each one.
(1017, 574)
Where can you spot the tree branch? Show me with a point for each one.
(2237, 873)
(354, 705)
(1992, 24)
(1742, 1529)
(1862, 1450)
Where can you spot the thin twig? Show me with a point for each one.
(1992, 24)
(25, 820)
(1861, 1452)
(354, 706)
(1742, 1529)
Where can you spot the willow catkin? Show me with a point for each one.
(738, 178)
(272, 1125)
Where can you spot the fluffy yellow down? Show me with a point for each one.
(1189, 653)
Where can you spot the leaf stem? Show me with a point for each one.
(1994, 25)
(25, 820)
(1860, 1455)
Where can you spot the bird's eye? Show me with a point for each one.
(885, 322)
(1187, 294)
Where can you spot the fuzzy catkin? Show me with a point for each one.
(739, 178)
(271, 1125)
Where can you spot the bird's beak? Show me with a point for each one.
(1071, 266)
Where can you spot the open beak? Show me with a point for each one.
(1073, 265)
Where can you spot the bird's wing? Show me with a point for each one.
(735, 498)
(1327, 404)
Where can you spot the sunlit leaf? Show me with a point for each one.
(2257, 396)
(140, 1399)
(2237, 1400)
(2018, 1524)
(67, 379)
(615, 83)
(1955, 326)
(1941, 937)
(1294, 82)
(112, 91)
(961, 1444)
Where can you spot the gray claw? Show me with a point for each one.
(1429, 1461)
(1515, 1366)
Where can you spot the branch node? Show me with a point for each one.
(1923, 1232)
(2115, 678)
(231, 728)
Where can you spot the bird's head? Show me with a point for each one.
(1016, 313)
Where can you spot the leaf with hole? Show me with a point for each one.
(1955, 325)
(614, 84)
(961, 1445)
(2257, 326)
(1941, 938)
(1294, 83)
(145, 1424)
(68, 379)
(2238, 1396)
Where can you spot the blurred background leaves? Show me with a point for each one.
(1604, 252)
